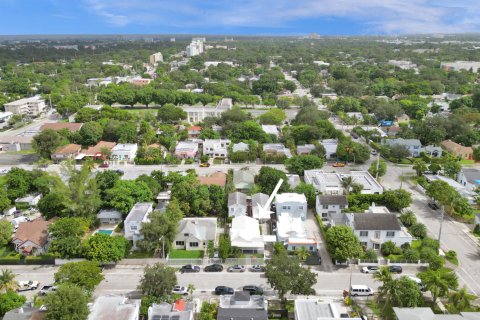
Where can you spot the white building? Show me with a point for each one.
(216, 148)
(331, 182)
(114, 307)
(196, 47)
(259, 201)
(186, 149)
(124, 152)
(292, 232)
(294, 204)
(195, 233)
(461, 65)
(240, 147)
(29, 106)
(329, 206)
(156, 58)
(270, 129)
(198, 113)
(374, 229)
(237, 204)
(133, 223)
(30, 200)
(469, 178)
(5, 116)
(415, 147)
(109, 216)
(245, 234)
(330, 146)
(313, 309)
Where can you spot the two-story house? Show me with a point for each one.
(216, 148)
(415, 147)
(194, 233)
(237, 204)
(124, 152)
(374, 229)
(330, 206)
(294, 204)
(133, 223)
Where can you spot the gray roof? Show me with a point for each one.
(403, 142)
(237, 198)
(139, 211)
(376, 221)
(243, 177)
(241, 314)
(332, 199)
(312, 309)
(114, 307)
(260, 198)
(202, 228)
(109, 214)
(241, 296)
(241, 146)
(26, 314)
(427, 314)
(165, 311)
(472, 175)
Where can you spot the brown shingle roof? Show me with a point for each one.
(92, 151)
(217, 178)
(456, 148)
(68, 149)
(35, 231)
(72, 127)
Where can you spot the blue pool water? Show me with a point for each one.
(109, 232)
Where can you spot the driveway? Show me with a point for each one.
(313, 231)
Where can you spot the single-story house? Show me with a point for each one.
(109, 216)
(31, 237)
(237, 204)
(68, 151)
(95, 151)
(457, 149)
(195, 233)
(217, 178)
(124, 152)
(270, 129)
(245, 234)
(330, 146)
(469, 178)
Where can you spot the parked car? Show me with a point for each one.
(222, 290)
(254, 290)
(370, 269)
(432, 205)
(120, 172)
(27, 285)
(213, 268)
(236, 268)
(190, 268)
(205, 165)
(257, 268)
(360, 290)
(338, 164)
(4, 171)
(395, 269)
(374, 152)
(180, 290)
(104, 165)
(47, 289)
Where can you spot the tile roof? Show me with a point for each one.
(94, 150)
(376, 221)
(35, 231)
(71, 126)
(217, 178)
(68, 149)
(455, 147)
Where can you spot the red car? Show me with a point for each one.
(104, 165)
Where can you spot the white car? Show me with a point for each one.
(27, 285)
(370, 269)
(4, 171)
(236, 268)
(47, 289)
(180, 290)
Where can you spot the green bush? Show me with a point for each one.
(389, 248)
(418, 230)
(211, 248)
(411, 255)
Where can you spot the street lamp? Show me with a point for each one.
(442, 217)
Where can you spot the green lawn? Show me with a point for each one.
(465, 161)
(186, 254)
(217, 161)
(139, 255)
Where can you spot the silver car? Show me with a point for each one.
(236, 268)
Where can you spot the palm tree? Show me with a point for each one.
(190, 288)
(7, 281)
(438, 282)
(461, 299)
(387, 290)
(302, 253)
(408, 218)
(347, 184)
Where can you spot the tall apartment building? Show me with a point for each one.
(195, 48)
(32, 106)
(156, 58)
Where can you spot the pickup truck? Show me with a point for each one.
(27, 285)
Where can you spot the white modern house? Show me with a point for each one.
(124, 152)
(328, 205)
(292, 232)
(245, 234)
(114, 307)
(216, 148)
(469, 178)
(237, 204)
(330, 146)
(331, 182)
(195, 233)
(374, 229)
(316, 309)
(133, 223)
(294, 204)
(270, 129)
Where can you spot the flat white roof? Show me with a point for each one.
(290, 197)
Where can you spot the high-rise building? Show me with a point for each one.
(156, 58)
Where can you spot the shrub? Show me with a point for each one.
(370, 255)
(418, 230)
(430, 243)
(408, 218)
(411, 255)
(476, 230)
(388, 248)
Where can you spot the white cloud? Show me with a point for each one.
(377, 16)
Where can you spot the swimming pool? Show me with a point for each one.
(109, 232)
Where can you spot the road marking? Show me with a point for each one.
(466, 283)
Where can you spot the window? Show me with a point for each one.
(180, 243)
(390, 234)
(185, 234)
(311, 248)
(342, 207)
(324, 214)
(193, 244)
(376, 246)
(325, 206)
(300, 207)
(377, 234)
(284, 208)
(293, 247)
(363, 244)
(363, 233)
(133, 228)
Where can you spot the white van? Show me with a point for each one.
(360, 290)
(421, 286)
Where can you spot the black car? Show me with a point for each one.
(433, 206)
(395, 269)
(120, 172)
(214, 268)
(221, 290)
(253, 290)
(190, 268)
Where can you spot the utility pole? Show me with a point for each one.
(378, 164)
(442, 217)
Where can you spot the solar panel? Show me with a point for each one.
(156, 317)
(164, 317)
(175, 317)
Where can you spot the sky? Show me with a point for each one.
(252, 17)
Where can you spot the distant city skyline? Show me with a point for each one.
(249, 17)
